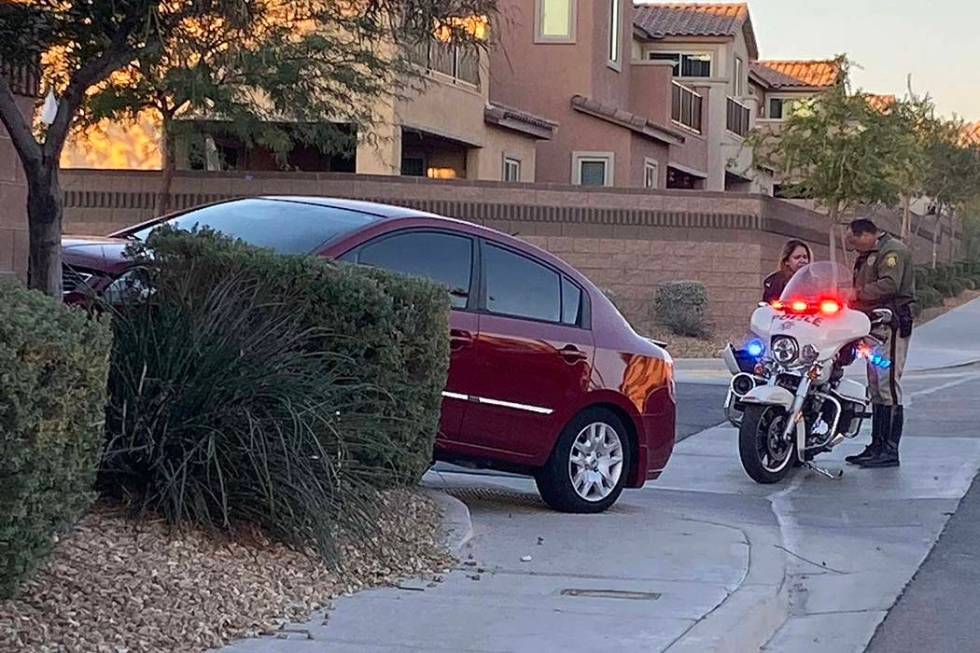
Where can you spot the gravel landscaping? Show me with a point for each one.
(121, 585)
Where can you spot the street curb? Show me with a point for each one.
(751, 615)
(457, 525)
(692, 364)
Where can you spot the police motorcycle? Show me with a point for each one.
(788, 395)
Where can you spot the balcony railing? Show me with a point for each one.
(23, 80)
(738, 117)
(685, 106)
(457, 61)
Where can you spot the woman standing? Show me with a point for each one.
(796, 254)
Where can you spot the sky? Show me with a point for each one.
(937, 42)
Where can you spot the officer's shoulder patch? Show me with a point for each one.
(891, 260)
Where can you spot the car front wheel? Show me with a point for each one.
(587, 469)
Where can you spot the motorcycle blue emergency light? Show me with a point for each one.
(755, 348)
(880, 361)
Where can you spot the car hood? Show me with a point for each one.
(96, 253)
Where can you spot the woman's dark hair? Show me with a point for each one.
(788, 249)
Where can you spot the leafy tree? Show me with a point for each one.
(952, 173)
(836, 149)
(912, 125)
(248, 63)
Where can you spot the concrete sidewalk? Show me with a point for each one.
(950, 340)
(533, 580)
(704, 560)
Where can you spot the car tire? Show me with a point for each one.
(588, 467)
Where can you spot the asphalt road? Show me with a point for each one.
(699, 407)
(940, 610)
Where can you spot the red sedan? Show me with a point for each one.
(546, 377)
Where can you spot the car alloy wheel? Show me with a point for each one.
(595, 462)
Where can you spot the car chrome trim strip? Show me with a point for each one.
(537, 410)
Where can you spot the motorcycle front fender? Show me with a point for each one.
(766, 395)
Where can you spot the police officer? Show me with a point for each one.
(883, 278)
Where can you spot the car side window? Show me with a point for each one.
(516, 286)
(444, 258)
(571, 303)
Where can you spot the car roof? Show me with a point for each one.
(389, 214)
(372, 208)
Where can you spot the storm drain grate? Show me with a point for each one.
(612, 594)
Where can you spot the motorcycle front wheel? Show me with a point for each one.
(766, 457)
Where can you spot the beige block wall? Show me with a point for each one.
(626, 241)
(13, 206)
(631, 270)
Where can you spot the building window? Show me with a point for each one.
(696, 64)
(615, 31)
(685, 107)
(592, 168)
(651, 174)
(775, 108)
(512, 169)
(739, 86)
(555, 20)
(782, 108)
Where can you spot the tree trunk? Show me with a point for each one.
(952, 236)
(834, 217)
(44, 217)
(906, 217)
(168, 147)
(935, 235)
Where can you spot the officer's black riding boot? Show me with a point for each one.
(888, 454)
(872, 449)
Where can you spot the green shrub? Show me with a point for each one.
(682, 306)
(928, 297)
(276, 390)
(53, 367)
(923, 277)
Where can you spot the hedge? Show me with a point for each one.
(53, 367)
(682, 307)
(275, 390)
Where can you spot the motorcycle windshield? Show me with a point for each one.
(818, 281)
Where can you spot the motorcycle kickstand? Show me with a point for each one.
(824, 472)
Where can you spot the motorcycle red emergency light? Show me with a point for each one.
(830, 307)
(825, 307)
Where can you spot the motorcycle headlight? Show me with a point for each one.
(785, 349)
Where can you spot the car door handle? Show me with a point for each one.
(573, 354)
(458, 338)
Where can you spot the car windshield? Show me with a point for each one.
(820, 280)
(285, 226)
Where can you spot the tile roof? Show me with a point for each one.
(971, 133)
(632, 121)
(658, 21)
(518, 120)
(880, 102)
(797, 74)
